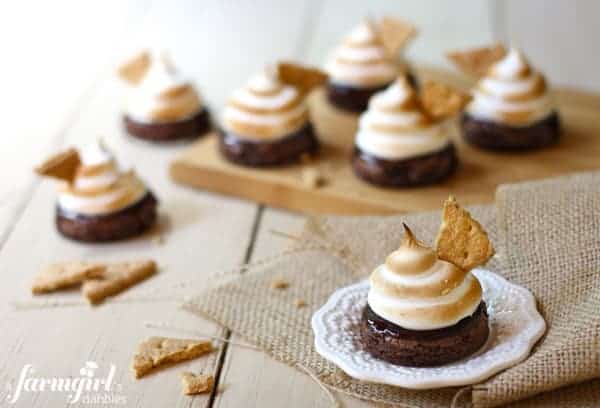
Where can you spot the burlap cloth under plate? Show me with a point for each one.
(547, 236)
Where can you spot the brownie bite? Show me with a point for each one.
(425, 308)
(366, 62)
(98, 201)
(512, 108)
(400, 143)
(267, 122)
(163, 106)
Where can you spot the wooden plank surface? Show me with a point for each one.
(51, 82)
(203, 233)
(475, 181)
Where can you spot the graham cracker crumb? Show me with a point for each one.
(65, 274)
(196, 383)
(312, 178)
(62, 166)
(116, 278)
(461, 239)
(279, 283)
(300, 303)
(158, 351)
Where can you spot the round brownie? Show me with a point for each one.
(195, 126)
(424, 348)
(281, 151)
(125, 223)
(354, 99)
(416, 171)
(496, 136)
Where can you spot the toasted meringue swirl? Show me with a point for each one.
(265, 109)
(163, 95)
(416, 290)
(512, 93)
(100, 188)
(395, 127)
(362, 61)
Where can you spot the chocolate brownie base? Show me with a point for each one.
(195, 126)
(279, 152)
(424, 348)
(353, 99)
(126, 223)
(496, 136)
(416, 171)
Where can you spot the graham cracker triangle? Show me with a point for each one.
(462, 240)
(441, 101)
(477, 61)
(300, 76)
(134, 69)
(395, 34)
(116, 278)
(158, 351)
(62, 166)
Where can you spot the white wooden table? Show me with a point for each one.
(220, 43)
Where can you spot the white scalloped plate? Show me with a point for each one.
(515, 325)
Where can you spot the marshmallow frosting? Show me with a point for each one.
(265, 109)
(395, 126)
(163, 95)
(362, 61)
(512, 93)
(417, 291)
(100, 187)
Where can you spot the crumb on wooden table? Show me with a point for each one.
(279, 283)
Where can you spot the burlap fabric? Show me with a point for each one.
(547, 236)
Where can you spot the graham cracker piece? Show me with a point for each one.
(62, 166)
(442, 101)
(116, 278)
(158, 351)
(395, 34)
(196, 383)
(134, 69)
(461, 239)
(65, 274)
(477, 61)
(302, 77)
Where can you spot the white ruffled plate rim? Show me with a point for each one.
(536, 329)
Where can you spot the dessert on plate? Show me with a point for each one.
(367, 61)
(512, 108)
(267, 122)
(163, 105)
(97, 200)
(424, 305)
(403, 139)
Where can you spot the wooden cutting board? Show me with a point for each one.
(475, 181)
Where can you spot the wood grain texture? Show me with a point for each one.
(253, 379)
(475, 182)
(110, 332)
(51, 78)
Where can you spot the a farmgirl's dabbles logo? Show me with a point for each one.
(88, 388)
